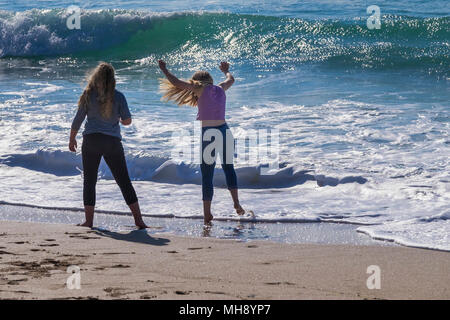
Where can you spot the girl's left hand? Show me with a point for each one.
(224, 67)
(162, 65)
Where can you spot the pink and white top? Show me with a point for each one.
(211, 104)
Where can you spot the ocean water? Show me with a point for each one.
(363, 115)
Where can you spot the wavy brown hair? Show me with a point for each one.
(184, 96)
(103, 82)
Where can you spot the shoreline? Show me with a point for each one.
(306, 232)
(136, 265)
(322, 232)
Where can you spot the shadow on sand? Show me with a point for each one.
(137, 236)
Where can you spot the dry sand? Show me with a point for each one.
(34, 259)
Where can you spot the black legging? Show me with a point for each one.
(95, 146)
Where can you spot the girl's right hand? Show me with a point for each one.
(73, 145)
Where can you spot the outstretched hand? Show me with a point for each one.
(162, 65)
(224, 66)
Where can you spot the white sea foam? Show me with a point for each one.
(144, 167)
(397, 188)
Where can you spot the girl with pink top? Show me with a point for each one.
(210, 99)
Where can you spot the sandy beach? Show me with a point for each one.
(34, 259)
(339, 129)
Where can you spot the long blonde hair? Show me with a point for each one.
(102, 81)
(184, 96)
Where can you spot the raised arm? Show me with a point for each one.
(225, 68)
(174, 80)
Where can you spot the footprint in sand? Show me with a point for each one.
(179, 292)
(6, 252)
(48, 245)
(56, 263)
(114, 292)
(16, 281)
(113, 253)
(120, 266)
(280, 283)
(76, 298)
(17, 291)
(73, 256)
(215, 292)
(83, 237)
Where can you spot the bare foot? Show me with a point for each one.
(239, 210)
(207, 230)
(85, 224)
(207, 219)
(141, 225)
